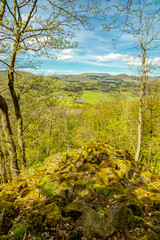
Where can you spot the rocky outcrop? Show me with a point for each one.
(98, 192)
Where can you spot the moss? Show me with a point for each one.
(52, 214)
(28, 200)
(139, 221)
(67, 176)
(101, 189)
(8, 195)
(64, 185)
(127, 198)
(75, 206)
(36, 221)
(19, 183)
(116, 185)
(113, 190)
(149, 236)
(154, 187)
(124, 219)
(102, 175)
(87, 167)
(149, 177)
(136, 206)
(80, 186)
(18, 230)
(7, 214)
(120, 173)
(156, 205)
(24, 192)
(6, 237)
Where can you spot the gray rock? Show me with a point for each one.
(92, 224)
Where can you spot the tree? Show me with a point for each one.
(142, 23)
(37, 26)
(9, 138)
(2, 9)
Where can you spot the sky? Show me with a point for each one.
(97, 52)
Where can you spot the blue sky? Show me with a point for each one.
(96, 53)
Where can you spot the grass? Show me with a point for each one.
(93, 97)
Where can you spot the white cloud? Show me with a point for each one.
(66, 54)
(137, 61)
(129, 60)
(109, 57)
(132, 61)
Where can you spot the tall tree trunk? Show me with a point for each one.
(2, 166)
(141, 102)
(2, 9)
(9, 138)
(17, 109)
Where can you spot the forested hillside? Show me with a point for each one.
(60, 116)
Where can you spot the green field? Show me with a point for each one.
(93, 97)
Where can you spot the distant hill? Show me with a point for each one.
(95, 77)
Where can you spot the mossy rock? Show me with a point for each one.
(136, 206)
(127, 198)
(149, 177)
(8, 195)
(102, 175)
(24, 192)
(87, 167)
(104, 164)
(120, 217)
(101, 178)
(116, 185)
(149, 236)
(65, 157)
(114, 190)
(52, 215)
(140, 222)
(75, 209)
(79, 186)
(28, 200)
(67, 176)
(121, 165)
(156, 205)
(35, 221)
(18, 230)
(153, 187)
(7, 214)
(19, 183)
(120, 173)
(107, 175)
(6, 237)
(101, 189)
(64, 185)
(44, 216)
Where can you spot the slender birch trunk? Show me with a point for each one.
(141, 103)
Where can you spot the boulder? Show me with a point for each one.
(92, 224)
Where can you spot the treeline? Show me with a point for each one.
(51, 127)
(98, 83)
